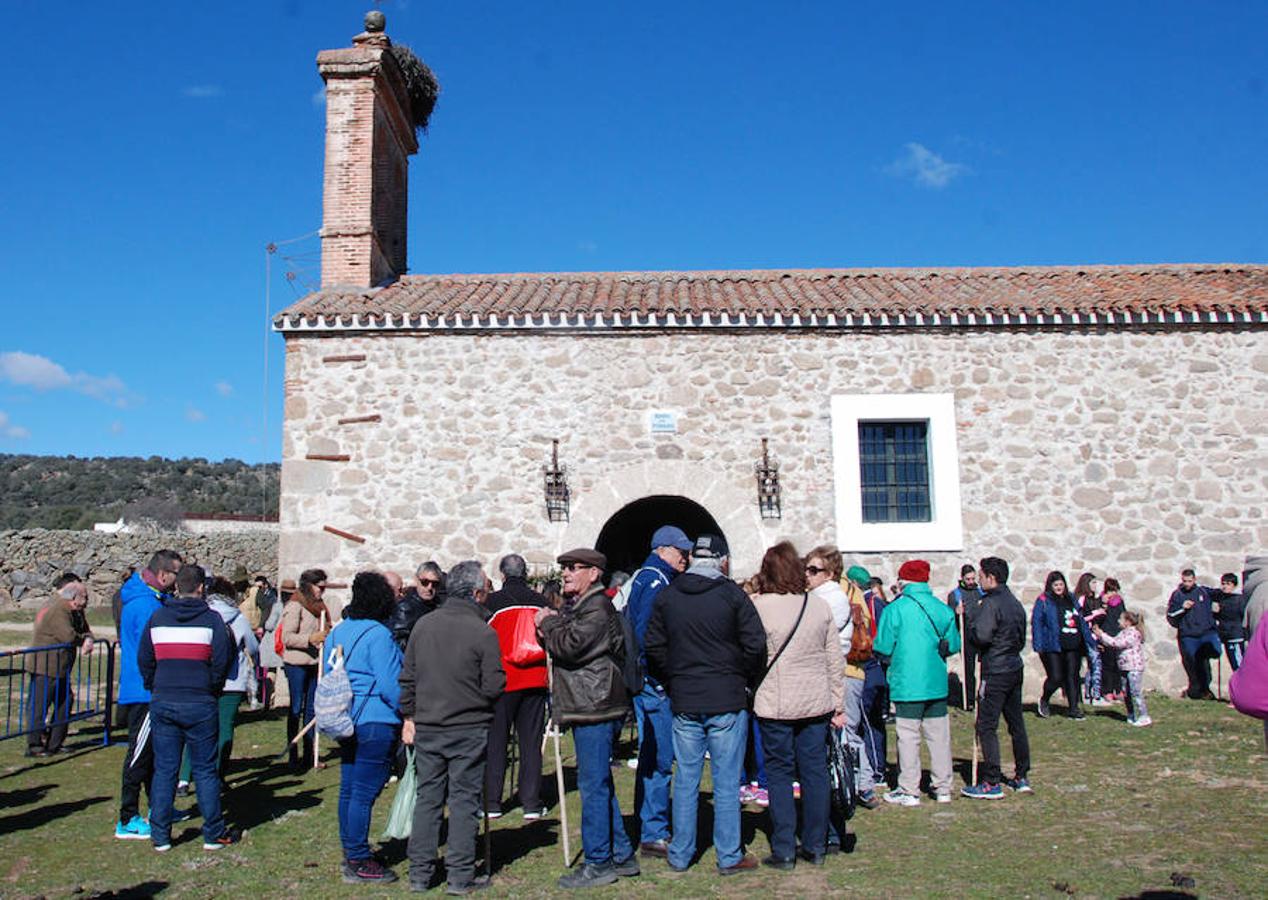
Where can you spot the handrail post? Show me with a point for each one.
(108, 720)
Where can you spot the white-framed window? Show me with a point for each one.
(896, 472)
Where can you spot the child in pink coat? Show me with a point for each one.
(1130, 644)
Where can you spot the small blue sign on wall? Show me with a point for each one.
(664, 421)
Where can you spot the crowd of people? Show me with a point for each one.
(760, 678)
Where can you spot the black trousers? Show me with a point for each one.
(46, 691)
(138, 765)
(1001, 693)
(1062, 669)
(527, 709)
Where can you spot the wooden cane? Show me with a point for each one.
(977, 711)
(321, 626)
(552, 732)
(964, 658)
(1219, 676)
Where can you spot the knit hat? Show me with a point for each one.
(859, 576)
(914, 570)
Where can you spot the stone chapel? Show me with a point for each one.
(1102, 418)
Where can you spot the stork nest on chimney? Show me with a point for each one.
(420, 83)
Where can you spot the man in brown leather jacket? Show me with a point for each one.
(586, 647)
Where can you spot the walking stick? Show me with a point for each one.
(977, 711)
(321, 624)
(964, 658)
(1219, 676)
(552, 732)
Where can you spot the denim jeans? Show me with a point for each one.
(724, 737)
(855, 734)
(754, 760)
(302, 682)
(875, 709)
(173, 726)
(367, 758)
(1092, 681)
(1136, 708)
(603, 834)
(655, 762)
(797, 748)
(1196, 653)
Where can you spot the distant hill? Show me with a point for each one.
(74, 492)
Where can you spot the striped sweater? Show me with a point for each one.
(185, 652)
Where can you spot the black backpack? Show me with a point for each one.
(631, 666)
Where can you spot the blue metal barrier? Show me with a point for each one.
(87, 691)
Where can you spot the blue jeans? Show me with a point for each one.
(1196, 653)
(46, 691)
(724, 736)
(754, 761)
(302, 681)
(367, 760)
(655, 762)
(875, 707)
(603, 834)
(1092, 680)
(798, 747)
(173, 726)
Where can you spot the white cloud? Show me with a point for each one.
(116, 427)
(319, 96)
(224, 388)
(203, 91)
(193, 414)
(11, 431)
(924, 167)
(41, 373)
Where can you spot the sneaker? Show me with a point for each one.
(761, 797)
(532, 815)
(366, 871)
(1077, 715)
(228, 839)
(658, 849)
(1042, 709)
(1019, 785)
(942, 798)
(983, 791)
(902, 798)
(796, 790)
(491, 814)
(588, 875)
(182, 789)
(1101, 701)
(181, 815)
(746, 794)
(162, 848)
(1143, 721)
(868, 799)
(135, 829)
(779, 863)
(628, 868)
(631, 764)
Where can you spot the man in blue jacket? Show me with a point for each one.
(1190, 613)
(183, 658)
(140, 597)
(670, 549)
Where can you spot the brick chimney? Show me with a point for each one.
(369, 139)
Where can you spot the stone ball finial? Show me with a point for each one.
(375, 21)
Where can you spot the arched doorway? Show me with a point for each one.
(625, 538)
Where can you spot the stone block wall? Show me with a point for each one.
(1127, 453)
(31, 559)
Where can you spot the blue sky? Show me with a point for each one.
(153, 150)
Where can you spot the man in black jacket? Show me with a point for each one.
(999, 636)
(427, 595)
(1190, 613)
(586, 644)
(451, 676)
(706, 644)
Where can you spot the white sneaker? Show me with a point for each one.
(1101, 701)
(943, 798)
(1142, 721)
(901, 798)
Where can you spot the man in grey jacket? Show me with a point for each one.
(451, 677)
(998, 634)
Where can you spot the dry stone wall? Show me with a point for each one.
(1126, 453)
(31, 559)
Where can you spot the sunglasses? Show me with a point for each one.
(429, 582)
(576, 567)
(814, 570)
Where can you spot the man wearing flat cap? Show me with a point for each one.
(670, 548)
(586, 645)
(918, 633)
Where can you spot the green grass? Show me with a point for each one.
(1116, 811)
(98, 617)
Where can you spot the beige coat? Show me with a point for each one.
(807, 680)
(297, 624)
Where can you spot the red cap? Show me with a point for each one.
(914, 570)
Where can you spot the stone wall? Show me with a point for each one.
(1127, 453)
(30, 560)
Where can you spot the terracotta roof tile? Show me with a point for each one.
(1030, 291)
